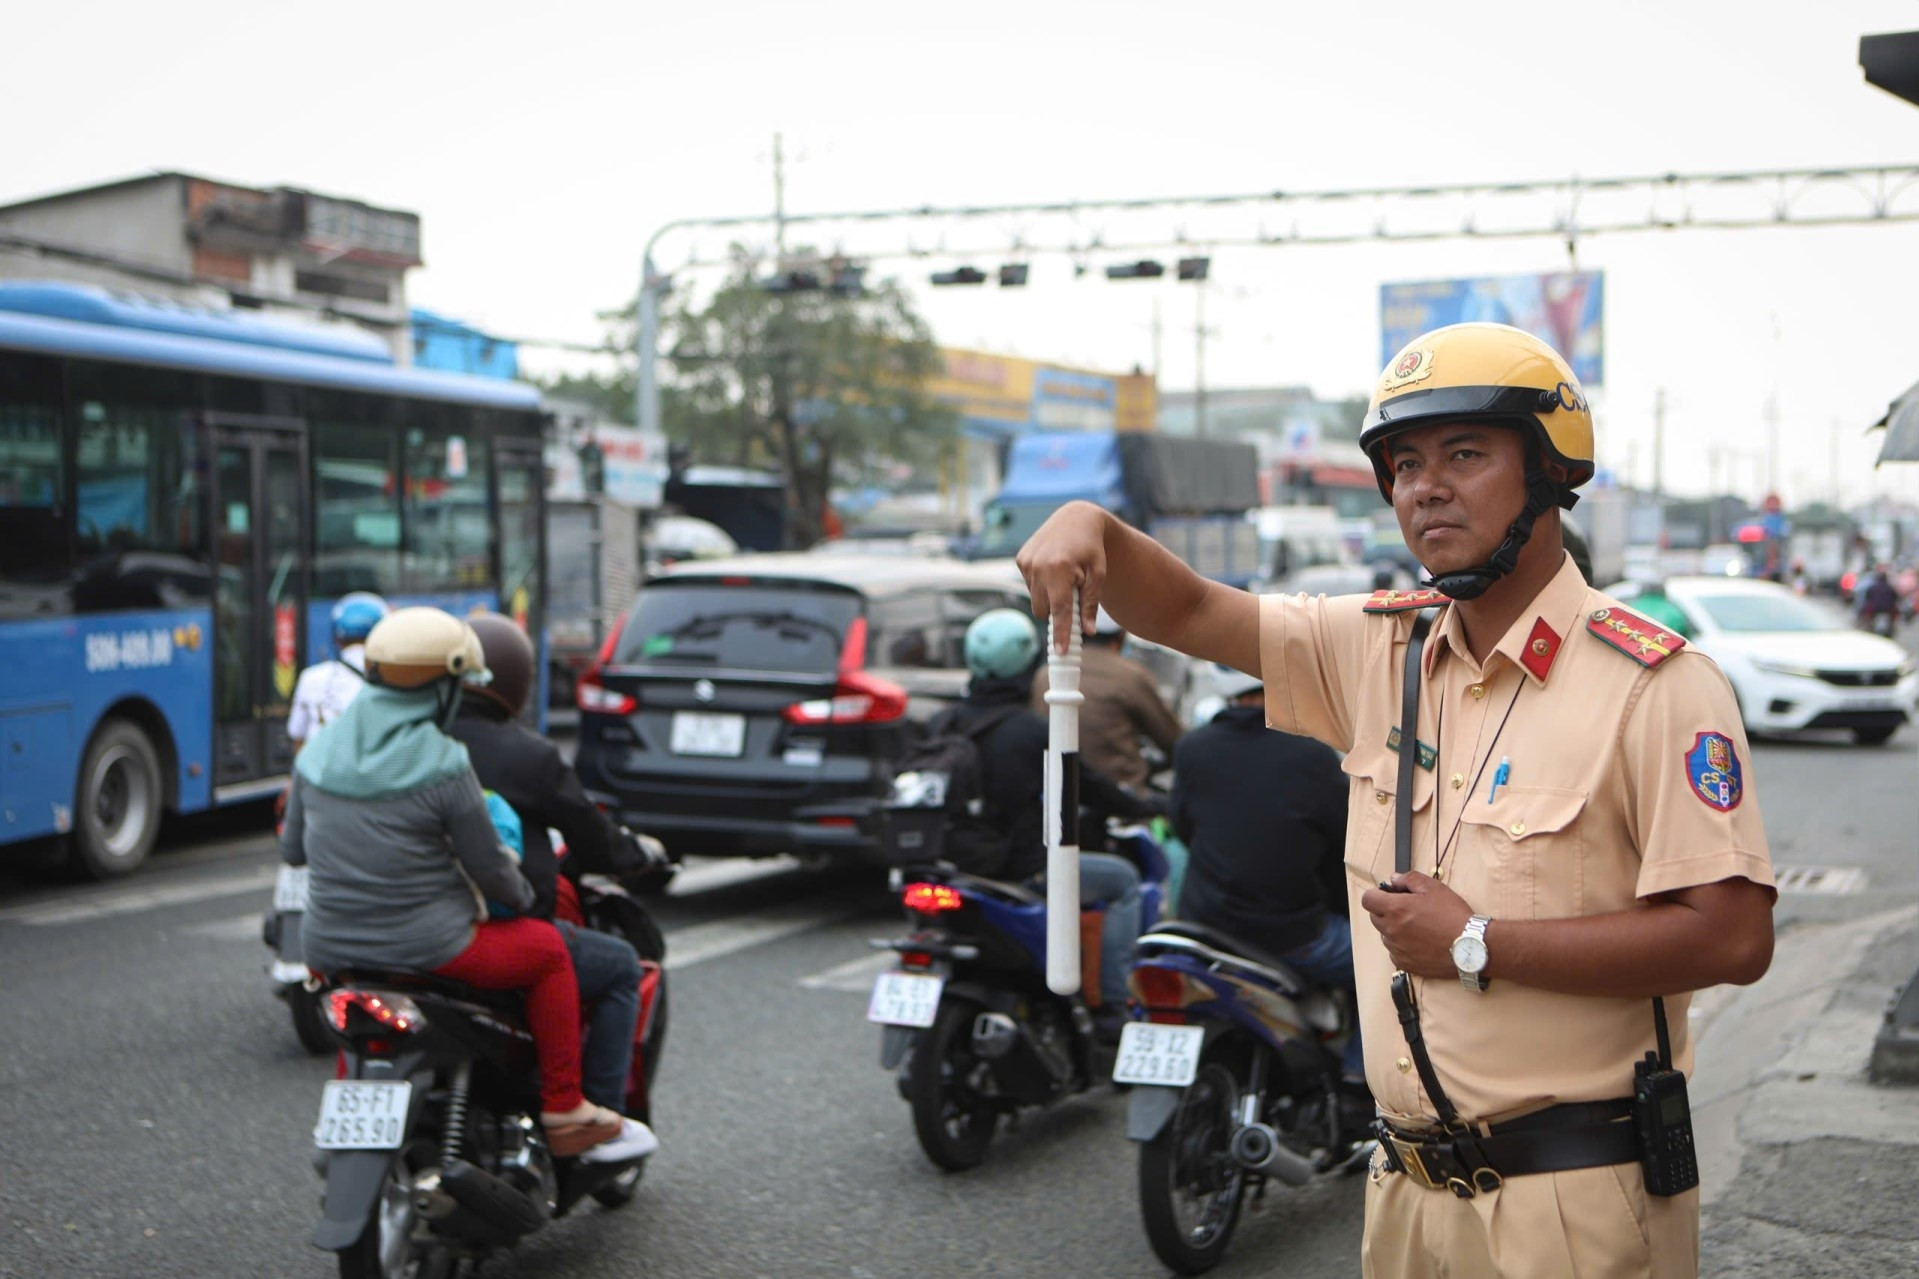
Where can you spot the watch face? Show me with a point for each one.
(1469, 954)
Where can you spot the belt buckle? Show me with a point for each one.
(1407, 1153)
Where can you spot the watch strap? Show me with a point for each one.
(1476, 929)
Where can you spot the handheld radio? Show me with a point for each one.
(1663, 1115)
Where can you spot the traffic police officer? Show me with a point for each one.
(1583, 840)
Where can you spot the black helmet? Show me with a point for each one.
(509, 657)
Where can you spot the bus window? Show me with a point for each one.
(356, 509)
(139, 526)
(34, 555)
(447, 523)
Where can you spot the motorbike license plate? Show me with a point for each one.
(701, 733)
(905, 999)
(357, 1115)
(1154, 1054)
(290, 890)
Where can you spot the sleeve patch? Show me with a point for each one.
(1714, 772)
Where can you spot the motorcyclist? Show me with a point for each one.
(1003, 650)
(386, 813)
(326, 688)
(1263, 814)
(1878, 598)
(528, 772)
(1122, 706)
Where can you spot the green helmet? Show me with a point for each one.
(1002, 642)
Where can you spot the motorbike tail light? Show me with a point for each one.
(859, 698)
(916, 959)
(1160, 990)
(394, 1012)
(931, 899)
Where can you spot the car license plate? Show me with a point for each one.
(290, 889)
(358, 1115)
(1872, 704)
(905, 999)
(701, 733)
(1154, 1054)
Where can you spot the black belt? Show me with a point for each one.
(1558, 1139)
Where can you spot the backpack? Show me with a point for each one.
(936, 808)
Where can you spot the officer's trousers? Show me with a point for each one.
(1590, 1223)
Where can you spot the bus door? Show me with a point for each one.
(521, 470)
(260, 598)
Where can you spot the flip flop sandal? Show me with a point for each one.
(567, 1140)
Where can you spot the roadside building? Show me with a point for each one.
(187, 239)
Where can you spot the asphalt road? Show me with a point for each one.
(155, 1108)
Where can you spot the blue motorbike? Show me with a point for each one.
(1235, 1067)
(969, 1024)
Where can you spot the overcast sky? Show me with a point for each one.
(543, 144)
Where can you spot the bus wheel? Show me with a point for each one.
(118, 804)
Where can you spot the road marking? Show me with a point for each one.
(104, 904)
(855, 975)
(706, 876)
(235, 928)
(1829, 881)
(688, 946)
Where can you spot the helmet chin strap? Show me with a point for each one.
(449, 704)
(1470, 583)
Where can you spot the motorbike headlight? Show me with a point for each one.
(1785, 668)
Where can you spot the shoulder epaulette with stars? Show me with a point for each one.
(1645, 642)
(1401, 601)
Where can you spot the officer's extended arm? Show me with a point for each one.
(1142, 584)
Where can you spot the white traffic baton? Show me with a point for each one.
(1062, 807)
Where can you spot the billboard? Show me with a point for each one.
(1562, 308)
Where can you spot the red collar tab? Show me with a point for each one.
(1643, 641)
(1402, 601)
(1542, 647)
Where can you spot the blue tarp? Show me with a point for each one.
(1059, 467)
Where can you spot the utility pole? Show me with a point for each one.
(779, 200)
(1772, 442)
(1199, 358)
(1659, 446)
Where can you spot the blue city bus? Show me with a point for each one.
(183, 495)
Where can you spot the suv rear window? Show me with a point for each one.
(754, 627)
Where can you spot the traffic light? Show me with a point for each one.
(1012, 275)
(848, 281)
(1145, 270)
(960, 275)
(791, 282)
(1194, 268)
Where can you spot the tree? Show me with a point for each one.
(819, 384)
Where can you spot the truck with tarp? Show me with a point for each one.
(1189, 494)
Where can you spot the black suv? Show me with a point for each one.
(748, 707)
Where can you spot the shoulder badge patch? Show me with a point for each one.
(1714, 772)
(1401, 601)
(1645, 642)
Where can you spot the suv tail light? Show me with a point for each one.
(590, 692)
(859, 698)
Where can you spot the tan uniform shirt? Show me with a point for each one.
(1625, 781)
(1122, 705)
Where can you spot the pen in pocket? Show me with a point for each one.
(1500, 775)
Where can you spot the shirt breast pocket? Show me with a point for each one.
(1372, 784)
(1531, 846)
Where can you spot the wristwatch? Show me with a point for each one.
(1469, 953)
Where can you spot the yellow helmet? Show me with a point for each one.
(1489, 373)
(412, 647)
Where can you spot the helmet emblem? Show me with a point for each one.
(703, 690)
(1415, 365)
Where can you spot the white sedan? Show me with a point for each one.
(1793, 662)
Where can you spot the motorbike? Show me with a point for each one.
(969, 1025)
(429, 1139)
(1235, 1082)
(293, 984)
